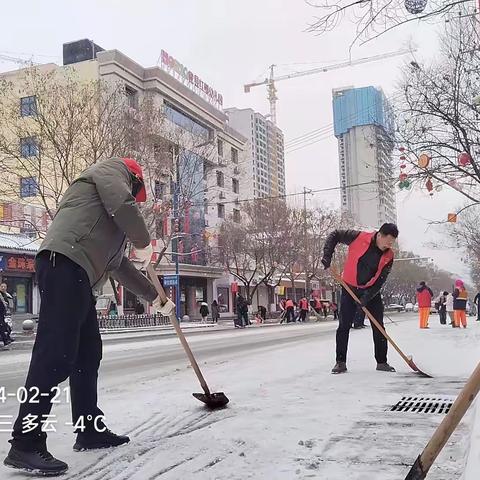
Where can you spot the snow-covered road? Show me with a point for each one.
(289, 418)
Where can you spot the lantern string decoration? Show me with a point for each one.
(464, 159)
(415, 6)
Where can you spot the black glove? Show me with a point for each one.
(326, 262)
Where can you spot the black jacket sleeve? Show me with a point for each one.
(3, 311)
(374, 290)
(338, 236)
(134, 281)
(476, 299)
(430, 291)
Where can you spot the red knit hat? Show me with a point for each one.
(136, 170)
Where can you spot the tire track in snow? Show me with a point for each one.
(111, 465)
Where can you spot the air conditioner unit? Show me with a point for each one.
(236, 171)
(222, 195)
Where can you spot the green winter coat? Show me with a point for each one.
(95, 218)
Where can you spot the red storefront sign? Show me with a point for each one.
(17, 263)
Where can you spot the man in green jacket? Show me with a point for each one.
(84, 245)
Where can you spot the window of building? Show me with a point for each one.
(235, 185)
(132, 96)
(221, 210)
(28, 187)
(28, 147)
(220, 179)
(234, 155)
(220, 147)
(236, 215)
(160, 190)
(186, 122)
(28, 106)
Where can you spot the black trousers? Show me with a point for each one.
(303, 315)
(4, 331)
(348, 308)
(290, 314)
(443, 316)
(68, 345)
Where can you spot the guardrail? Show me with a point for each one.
(131, 321)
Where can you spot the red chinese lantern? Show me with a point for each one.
(403, 166)
(401, 149)
(402, 177)
(403, 157)
(464, 159)
(423, 160)
(429, 186)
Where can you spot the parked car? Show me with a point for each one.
(395, 307)
(409, 307)
(415, 307)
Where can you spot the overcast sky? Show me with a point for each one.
(229, 43)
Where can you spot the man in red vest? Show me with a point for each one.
(303, 304)
(369, 261)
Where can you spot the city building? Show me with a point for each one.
(363, 126)
(207, 155)
(265, 170)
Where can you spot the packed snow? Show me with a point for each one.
(288, 417)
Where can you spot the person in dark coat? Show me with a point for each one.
(215, 312)
(4, 335)
(84, 245)
(204, 311)
(442, 308)
(367, 266)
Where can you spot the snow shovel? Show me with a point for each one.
(446, 428)
(409, 361)
(211, 400)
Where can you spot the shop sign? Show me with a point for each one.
(182, 73)
(17, 263)
(170, 280)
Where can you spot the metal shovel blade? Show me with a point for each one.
(213, 400)
(414, 367)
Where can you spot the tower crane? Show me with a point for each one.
(272, 89)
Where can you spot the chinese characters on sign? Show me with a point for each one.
(171, 65)
(17, 263)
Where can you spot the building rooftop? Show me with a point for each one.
(10, 241)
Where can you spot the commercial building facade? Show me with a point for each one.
(364, 130)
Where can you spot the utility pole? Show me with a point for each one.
(176, 223)
(305, 191)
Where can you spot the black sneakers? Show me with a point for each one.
(340, 367)
(94, 440)
(385, 367)
(39, 462)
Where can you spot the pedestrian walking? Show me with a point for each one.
(303, 305)
(262, 312)
(242, 312)
(4, 335)
(368, 263)
(335, 310)
(460, 297)
(204, 312)
(83, 246)
(449, 308)
(215, 312)
(424, 299)
(7, 300)
(476, 301)
(442, 308)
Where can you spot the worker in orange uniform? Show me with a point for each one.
(460, 296)
(424, 300)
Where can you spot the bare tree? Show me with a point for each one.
(373, 18)
(438, 115)
(54, 125)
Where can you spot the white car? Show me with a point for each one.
(395, 307)
(415, 307)
(409, 307)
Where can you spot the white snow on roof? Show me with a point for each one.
(18, 242)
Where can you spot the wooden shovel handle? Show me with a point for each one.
(176, 325)
(446, 428)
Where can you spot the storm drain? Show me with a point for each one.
(427, 404)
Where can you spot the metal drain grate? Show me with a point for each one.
(428, 404)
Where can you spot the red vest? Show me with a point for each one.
(424, 298)
(355, 251)
(303, 304)
(289, 304)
